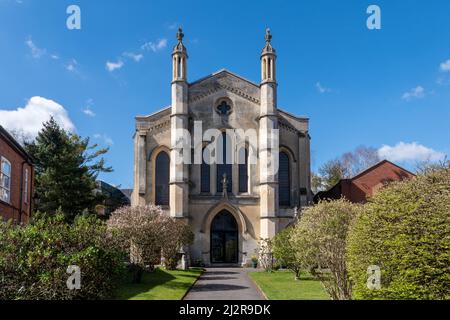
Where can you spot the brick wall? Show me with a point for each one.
(17, 203)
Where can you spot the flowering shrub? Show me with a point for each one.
(320, 241)
(147, 234)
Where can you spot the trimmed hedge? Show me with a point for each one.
(34, 259)
(405, 230)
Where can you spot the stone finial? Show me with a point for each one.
(179, 47)
(268, 47)
(268, 36)
(180, 34)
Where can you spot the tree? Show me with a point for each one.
(147, 234)
(344, 167)
(404, 230)
(176, 234)
(66, 170)
(140, 230)
(331, 173)
(320, 240)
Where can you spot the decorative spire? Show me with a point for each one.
(179, 47)
(268, 36)
(180, 35)
(268, 47)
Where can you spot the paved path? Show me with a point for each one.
(224, 284)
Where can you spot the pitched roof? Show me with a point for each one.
(14, 144)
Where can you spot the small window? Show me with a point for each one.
(205, 173)
(5, 180)
(25, 186)
(225, 167)
(243, 170)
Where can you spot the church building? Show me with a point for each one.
(230, 203)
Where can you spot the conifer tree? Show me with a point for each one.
(66, 171)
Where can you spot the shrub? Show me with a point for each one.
(320, 241)
(176, 234)
(405, 230)
(265, 254)
(34, 259)
(286, 253)
(147, 233)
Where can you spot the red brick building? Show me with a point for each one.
(365, 184)
(16, 180)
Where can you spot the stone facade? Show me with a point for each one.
(256, 212)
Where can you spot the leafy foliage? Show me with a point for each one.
(405, 230)
(320, 242)
(66, 170)
(34, 259)
(286, 251)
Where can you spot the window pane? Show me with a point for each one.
(162, 179)
(284, 180)
(225, 168)
(205, 173)
(6, 167)
(243, 170)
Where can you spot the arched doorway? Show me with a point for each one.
(224, 238)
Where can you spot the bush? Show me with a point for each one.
(320, 240)
(176, 234)
(34, 259)
(285, 252)
(147, 233)
(405, 230)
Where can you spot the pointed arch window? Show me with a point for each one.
(225, 165)
(205, 172)
(162, 176)
(284, 180)
(243, 170)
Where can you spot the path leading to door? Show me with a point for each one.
(224, 284)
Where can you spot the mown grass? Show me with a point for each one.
(281, 285)
(160, 285)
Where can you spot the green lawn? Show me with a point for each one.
(160, 285)
(281, 285)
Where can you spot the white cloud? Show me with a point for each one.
(36, 52)
(72, 65)
(322, 89)
(29, 119)
(415, 93)
(137, 57)
(87, 111)
(111, 66)
(155, 46)
(409, 152)
(445, 66)
(54, 57)
(106, 139)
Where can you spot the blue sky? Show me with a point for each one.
(388, 87)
